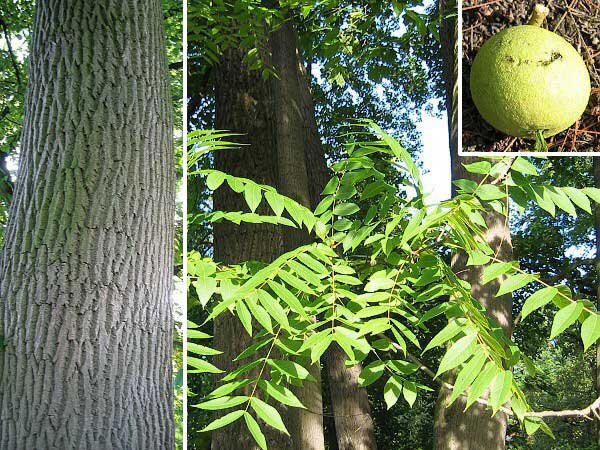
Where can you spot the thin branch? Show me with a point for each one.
(504, 173)
(593, 410)
(13, 58)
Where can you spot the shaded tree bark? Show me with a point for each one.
(243, 105)
(353, 422)
(306, 425)
(86, 264)
(473, 429)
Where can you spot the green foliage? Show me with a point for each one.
(372, 280)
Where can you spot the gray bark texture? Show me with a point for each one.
(350, 404)
(473, 429)
(86, 267)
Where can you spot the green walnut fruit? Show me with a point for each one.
(526, 80)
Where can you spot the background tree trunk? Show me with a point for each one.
(86, 267)
(353, 423)
(306, 425)
(243, 105)
(473, 429)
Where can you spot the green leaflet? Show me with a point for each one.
(223, 421)
(273, 307)
(482, 383)
(565, 318)
(255, 431)
(489, 192)
(289, 298)
(448, 332)
(537, 300)
(579, 198)
(392, 390)
(458, 353)
(467, 375)
(345, 209)
(409, 391)
(523, 165)
(481, 167)
(214, 180)
(290, 368)
(244, 315)
(222, 403)
(202, 366)
(371, 373)
(590, 330)
(259, 314)
(201, 349)
(515, 282)
(195, 334)
(253, 196)
(240, 370)
(228, 388)
(496, 270)
(562, 200)
(269, 414)
(501, 389)
(280, 393)
(275, 201)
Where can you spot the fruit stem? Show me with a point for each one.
(540, 12)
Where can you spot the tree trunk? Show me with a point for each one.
(596, 167)
(243, 104)
(306, 425)
(86, 267)
(353, 423)
(350, 403)
(473, 429)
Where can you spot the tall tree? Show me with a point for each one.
(306, 425)
(454, 427)
(86, 267)
(244, 106)
(291, 152)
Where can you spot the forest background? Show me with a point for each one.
(386, 64)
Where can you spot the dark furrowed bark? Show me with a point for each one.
(86, 264)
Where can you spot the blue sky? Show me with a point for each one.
(435, 156)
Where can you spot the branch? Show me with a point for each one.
(504, 173)
(13, 58)
(589, 412)
(593, 410)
